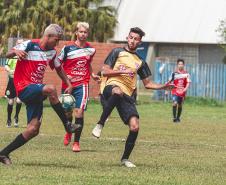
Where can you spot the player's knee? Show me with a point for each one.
(10, 101)
(134, 124)
(34, 131)
(18, 101)
(50, 89)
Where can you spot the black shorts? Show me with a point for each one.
(10, 91)
(126, 107)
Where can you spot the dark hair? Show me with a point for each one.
(180, 60)
(137, 30)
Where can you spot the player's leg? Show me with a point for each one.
(128, 113)
(81, 95)
(174, 107)
(9, 111)
(180, 103)
(50, 91)
(18, 107)
(11, 94)
(112, 94)
(32, 97)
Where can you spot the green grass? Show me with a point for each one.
(190, 153)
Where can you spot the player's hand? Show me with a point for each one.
(68, 90)
(169, 86)
(21, 54)
(95, 77)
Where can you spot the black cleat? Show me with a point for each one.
(5, 160)
(71, 128)
(8, 123)
(16, 122)
(178, 119)
(174, 120)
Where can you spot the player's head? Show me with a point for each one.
(82, 31)
(134, 38)
(52, 34)
(180, 64)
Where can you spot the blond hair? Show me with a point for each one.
(82, 24)
(53, 29)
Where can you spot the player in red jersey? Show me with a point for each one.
(181, 79)
(76, 58)
(34, 56)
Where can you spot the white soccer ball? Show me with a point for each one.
(67, 101)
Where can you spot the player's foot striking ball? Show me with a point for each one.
(121, 68)
(28, 78)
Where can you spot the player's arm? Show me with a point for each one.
(148, 84)
(57, 64)
(61, 73)
(7, 68)
(19, 50)
(187, 84)
(94, 76)
(144, 72)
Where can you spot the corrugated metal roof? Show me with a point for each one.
(179, 21)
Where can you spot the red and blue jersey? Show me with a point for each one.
(31, 69)
(180, 80)
(76, 63)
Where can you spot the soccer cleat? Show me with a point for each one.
(127, 163)
(76, 147)
(97, 130)
(16, 122)
(178, 119)
(8, 123)
(67, 138)
(174, 120)
(71, 128)
(5, 160)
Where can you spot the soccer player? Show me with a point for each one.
(11, 91)
(76, 58)
(34, 56)
(121, 68)
(181, 79)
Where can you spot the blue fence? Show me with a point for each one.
(2, 61)
(208, 80)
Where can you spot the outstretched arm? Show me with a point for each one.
(148, 84)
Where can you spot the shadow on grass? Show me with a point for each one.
(50, 165)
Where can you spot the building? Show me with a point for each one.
(174, 28)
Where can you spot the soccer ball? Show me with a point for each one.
(67, 101)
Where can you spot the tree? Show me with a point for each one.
(27, 18)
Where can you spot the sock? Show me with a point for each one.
(130, 142)
(179, 112)
(9, 111)
(109, 106)
(60, 112)
(18, 142)
(174, 111)
(18, 107)
(79, 121)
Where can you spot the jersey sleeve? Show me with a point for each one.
(60, 58)
(188, 80)
(22, 46)
(144, 71)
(171, 78)
(112, 57)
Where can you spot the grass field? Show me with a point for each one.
(190, 153)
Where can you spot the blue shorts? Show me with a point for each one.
(33, 98)
(81, 95)
(178, 99)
